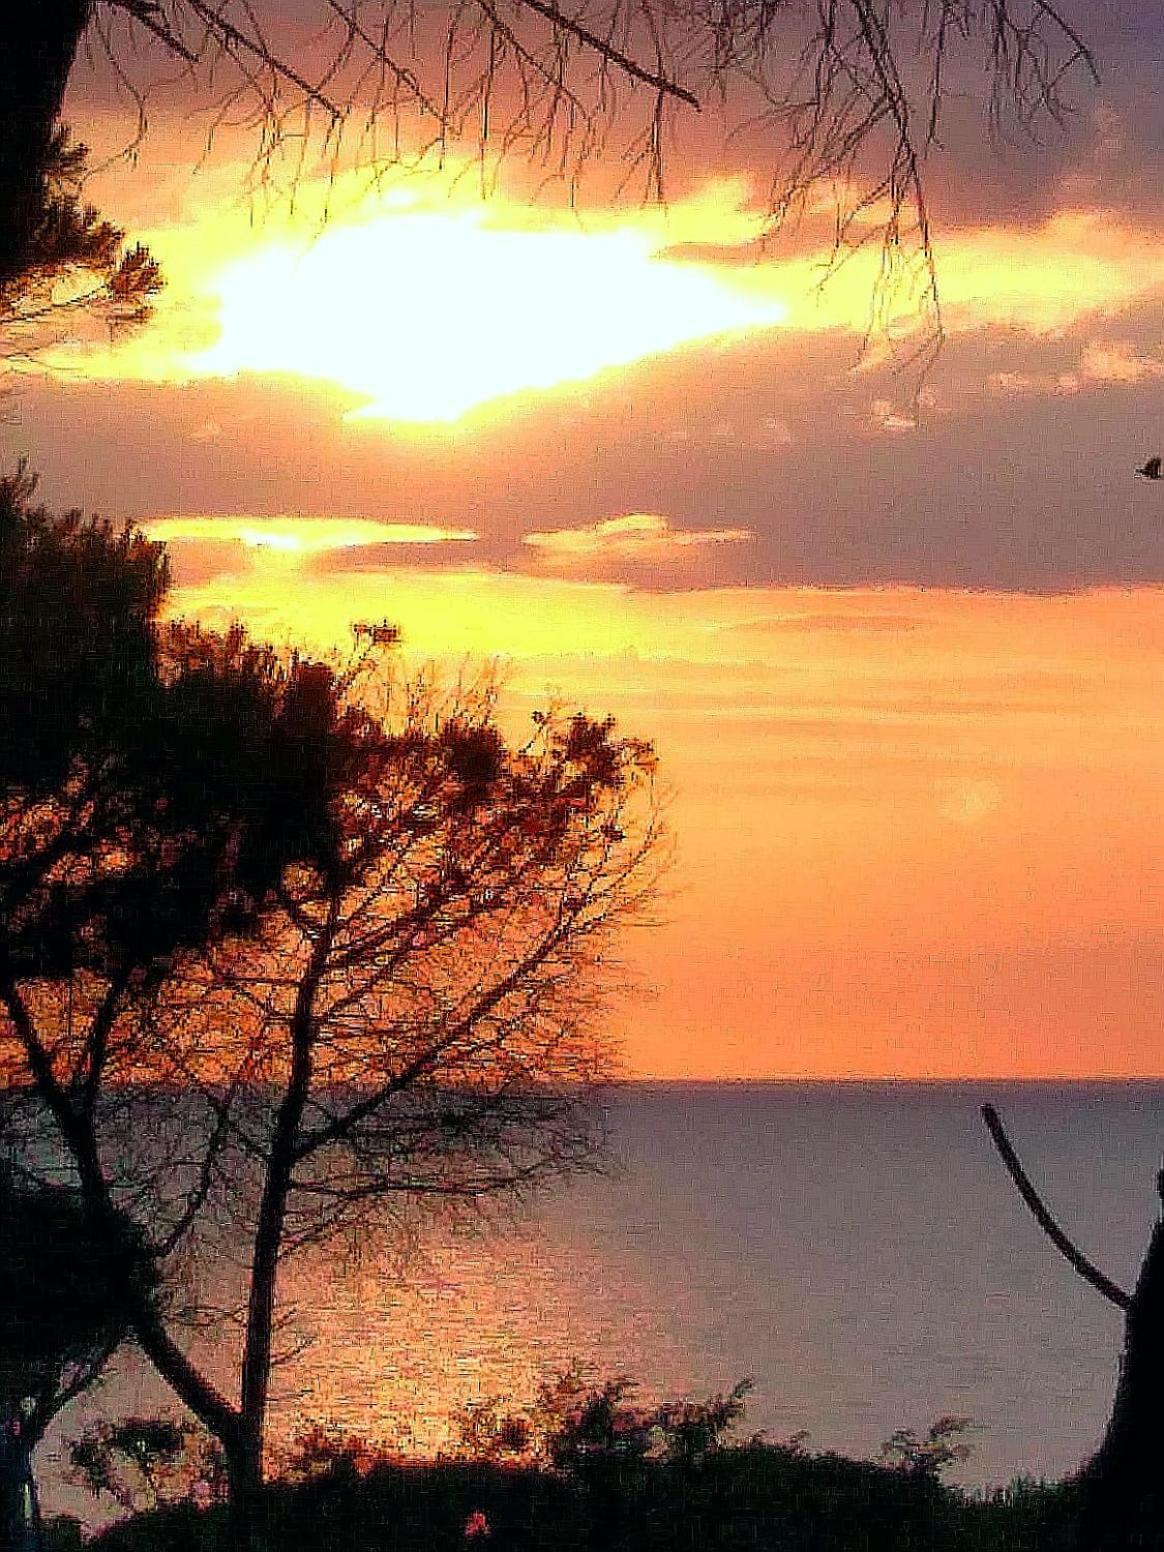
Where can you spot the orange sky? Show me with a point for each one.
(903, 656)
(918, 830)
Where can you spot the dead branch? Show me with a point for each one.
(1086, 1269)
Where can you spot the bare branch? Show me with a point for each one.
(1086, 1269)
(615, 56)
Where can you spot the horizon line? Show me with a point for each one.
(787, 1080)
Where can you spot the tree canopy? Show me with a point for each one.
(57, 255)
(161, 775)
(155, 782)
(62, 1316)
(71, 260)
(304, 949)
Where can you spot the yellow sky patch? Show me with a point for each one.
(300, 535)
(426, 300)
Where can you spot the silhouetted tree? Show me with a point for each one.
(572, 1420)
(851, 92)
(56, 254)
(62, 1317)
(153, 783)
(332, 940)
(59, 259)
(1121, 1489)
(927, 1455)
(414, 1023)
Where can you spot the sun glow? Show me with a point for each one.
(430, 314)
(418, 301)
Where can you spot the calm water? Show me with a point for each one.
(857, 1249)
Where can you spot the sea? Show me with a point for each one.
(855, 1249)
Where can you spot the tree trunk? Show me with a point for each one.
(244, 1475)
(191, 1387)
(246, 1472)
(1122, 1501)
(19, 1510)
(38, 44)
(256, 1369)
(244, 1462)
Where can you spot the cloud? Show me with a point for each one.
(1101, 365)
(641, 284)
(426, 350)
(828, 624)
(636, 536)
(993, 490)
(293, 536)
(1117, 364)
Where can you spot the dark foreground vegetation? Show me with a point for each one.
(752, 1496)
(581, 1470)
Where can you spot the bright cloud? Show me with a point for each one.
(828, 623)
(427, 303)
(301, 535)
(643, 536)
(1100, 365)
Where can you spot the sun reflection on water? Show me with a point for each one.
(395, 1352)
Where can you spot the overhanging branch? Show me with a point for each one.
(1086, 1269)
(603, 46)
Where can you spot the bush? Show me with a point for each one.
(328, 1452)
(63, 1533)
(572, 1425)
(929, 1456)
(143, 1463)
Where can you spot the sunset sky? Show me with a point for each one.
(901, 652)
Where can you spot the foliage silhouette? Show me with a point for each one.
(143, 1463)
(300, 949)
(153, 783)
(737, 1499)
(574, 1425)
(928, 1455)
(70, 263)
(62, 1316)
(57, 256)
